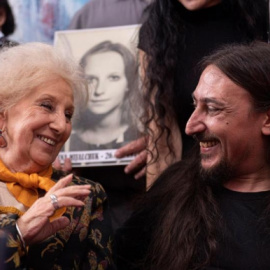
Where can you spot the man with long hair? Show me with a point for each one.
(174, 38)
(211, 210)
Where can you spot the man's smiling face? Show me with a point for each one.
(226, 124)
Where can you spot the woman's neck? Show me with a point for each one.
(16, 166)
(108, 121)
(106, 129)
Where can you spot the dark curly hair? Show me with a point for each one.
(165, 35)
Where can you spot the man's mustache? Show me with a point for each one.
(202, 137)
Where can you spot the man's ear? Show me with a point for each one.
(266, 124)
(3, 16)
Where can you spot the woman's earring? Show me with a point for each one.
(3, 142)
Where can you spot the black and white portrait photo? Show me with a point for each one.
(106, 122)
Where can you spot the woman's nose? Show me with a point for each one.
(58, 123)
(195, 124)
(99, 88)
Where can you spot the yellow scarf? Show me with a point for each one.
(24, 187)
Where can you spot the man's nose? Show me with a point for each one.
(195, 124)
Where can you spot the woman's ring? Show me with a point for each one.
(54, 201)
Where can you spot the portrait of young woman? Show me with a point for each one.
(106, 123)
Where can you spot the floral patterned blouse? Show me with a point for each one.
(84, 244)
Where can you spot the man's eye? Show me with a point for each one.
(212, 109)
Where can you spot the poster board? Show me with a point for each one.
(109, 59)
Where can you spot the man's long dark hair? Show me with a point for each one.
(164, 27)
(185, 209)
(187, 218)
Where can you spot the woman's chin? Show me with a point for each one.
(42, 163)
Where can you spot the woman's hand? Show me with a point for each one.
(138, 148)
(66, 167)
(35, 226)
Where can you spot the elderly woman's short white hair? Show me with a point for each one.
(26, 67)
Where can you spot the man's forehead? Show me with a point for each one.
(213, 76)
(215, 84)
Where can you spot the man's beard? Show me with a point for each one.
(217, 175)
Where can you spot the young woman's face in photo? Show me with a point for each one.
(198, 4)
(108, 84)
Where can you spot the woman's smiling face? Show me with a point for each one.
(37, 127)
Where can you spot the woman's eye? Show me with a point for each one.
(91, 79)
(69, 115)
(47, 105)
(114, 78)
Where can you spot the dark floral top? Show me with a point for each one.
(84, 244)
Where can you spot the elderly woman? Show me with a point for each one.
(48, 223)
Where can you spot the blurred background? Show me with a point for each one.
(37, 20)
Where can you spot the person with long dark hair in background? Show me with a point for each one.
(176, 35)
